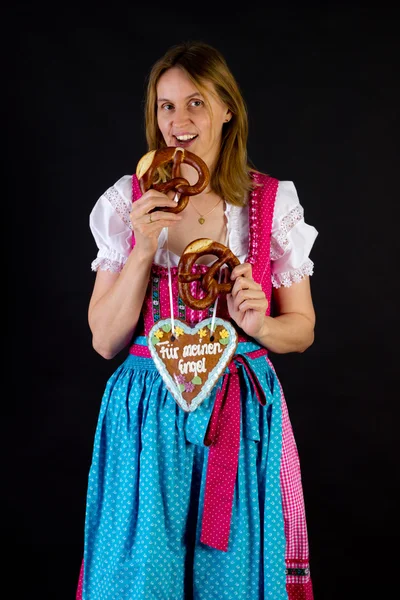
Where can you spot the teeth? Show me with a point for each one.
(185, 138)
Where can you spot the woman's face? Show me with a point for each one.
(184, 119)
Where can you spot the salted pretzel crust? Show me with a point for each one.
(149, 163)
(208, 281)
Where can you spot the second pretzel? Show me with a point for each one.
(208, 281)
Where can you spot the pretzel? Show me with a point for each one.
(208, 280)
(149, 163)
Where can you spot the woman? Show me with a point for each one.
(175, 510)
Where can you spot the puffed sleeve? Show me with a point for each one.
(292, 238)
(111, 228)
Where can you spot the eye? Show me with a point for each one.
(197, 103)
(167, 106)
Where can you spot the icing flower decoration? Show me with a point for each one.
(180, 379)
(189, 387)
(202, 333)
(178, 331)
(159, 334)
(224, 334)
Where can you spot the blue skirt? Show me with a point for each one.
(146, 493)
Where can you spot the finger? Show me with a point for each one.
(242, 270)
(244, 283)
(150, 201)
(153, 217)
(150, 229)
(254, 304)
(158, 216)
(244, 295)
(162, 223)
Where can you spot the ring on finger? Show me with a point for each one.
(150, 219)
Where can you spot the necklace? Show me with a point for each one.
(202, 219)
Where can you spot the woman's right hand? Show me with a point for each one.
(147, 225)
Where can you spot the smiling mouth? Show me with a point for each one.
(185, 139)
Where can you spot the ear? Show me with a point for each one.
(228, 116)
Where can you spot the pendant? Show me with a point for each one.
(191, 361)
(201, 220)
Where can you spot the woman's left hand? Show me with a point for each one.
(247, 303)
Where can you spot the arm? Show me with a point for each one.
(117, 299)
(116, 303)
(291, 330)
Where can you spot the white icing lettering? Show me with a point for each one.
(201, 349)
(192, 366)
(169, 353)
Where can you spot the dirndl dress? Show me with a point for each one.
(197, 505)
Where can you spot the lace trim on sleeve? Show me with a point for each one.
(294, 276)
(280, 242)
(109, 260)
(118, 204)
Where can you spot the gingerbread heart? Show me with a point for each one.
(192, 360)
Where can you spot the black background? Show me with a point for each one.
(321, 84)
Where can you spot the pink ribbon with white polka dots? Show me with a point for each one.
(223, 439)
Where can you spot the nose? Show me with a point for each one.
(181, 117)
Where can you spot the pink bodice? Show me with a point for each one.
(157, 303)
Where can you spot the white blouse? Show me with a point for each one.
(291, 243)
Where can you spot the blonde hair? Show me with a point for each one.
(203, 64)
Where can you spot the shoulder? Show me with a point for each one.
(261, 179)
(287, 199)
(116, 199)
(119, 191)
(114, 204)
(282, 193)
(264, 185)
